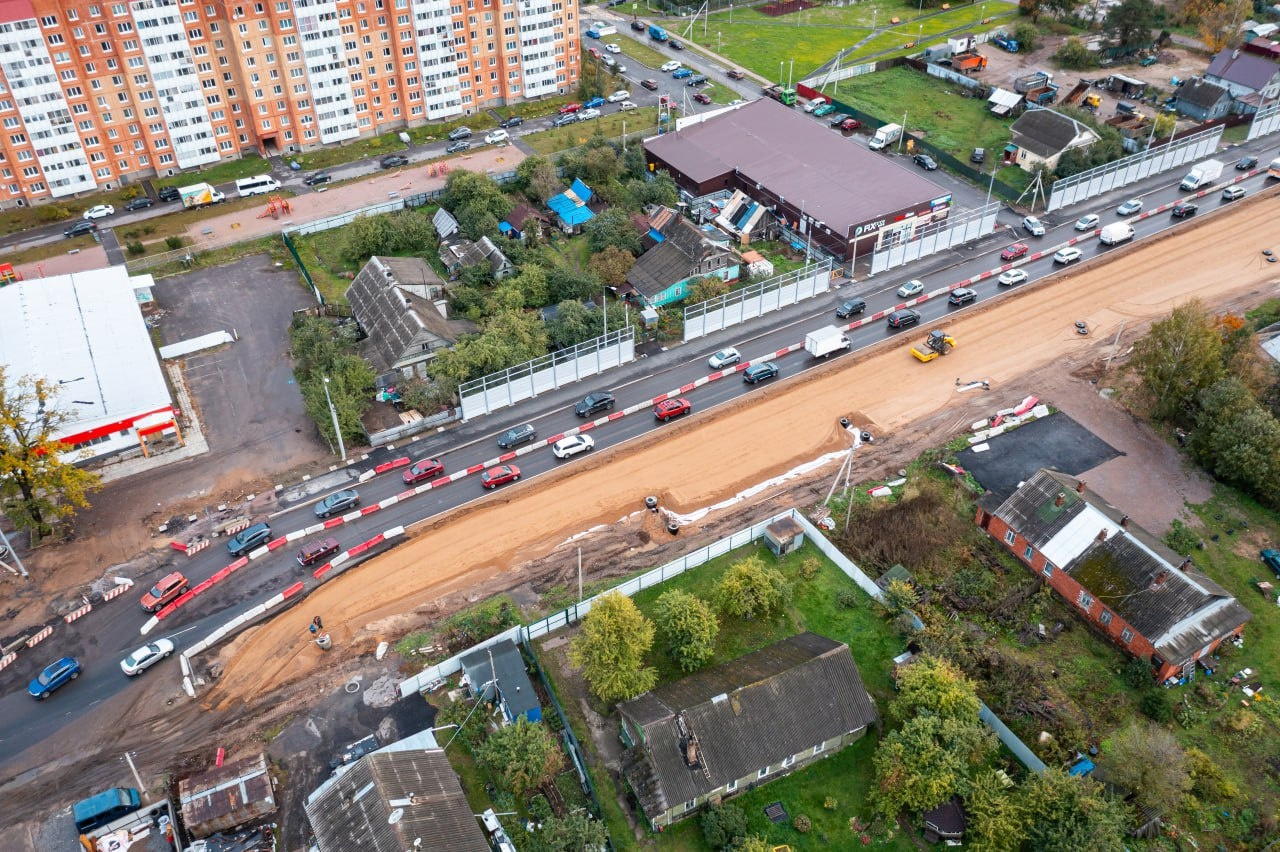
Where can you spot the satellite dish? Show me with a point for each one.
(395, 816)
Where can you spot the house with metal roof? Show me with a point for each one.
(1202, 100)
(496, 673)
(1042, 136)
(1244, 73)
(677, 253)
(1123, 581)
(740, 724)
(572, 207)
(457, 253)
(223, 797)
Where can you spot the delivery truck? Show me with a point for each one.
(885, 136)
(1202, 175)
(824, 341)
(657, 33)
(199, 195)
(1115, 233)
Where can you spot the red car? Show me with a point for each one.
(1013, 252)
(850, 124)
(702, 98)
(568, 108)
(650, 84)
(313, 553)
(165, 591)
(500, 475)
(669, 408)
(423, 469)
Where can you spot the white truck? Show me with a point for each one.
(1116, 232)
(824, 341)
(1203, 174)
(199, 195)
(885, 136)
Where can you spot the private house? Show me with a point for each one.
(522, 221)
(1244, 74)
(740, 724)
(677, 251)
(1042, 136)
(1202, 100)
(401, 304)
(223, 797)
(1143, 597)
(457, 253)
(497, 674)
(571, 207)
(402, 796)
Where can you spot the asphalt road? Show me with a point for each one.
(112, 632)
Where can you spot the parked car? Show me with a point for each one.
(459, 133)
(512, 121)
(169, 193)
(391, 161)
(696, 80)
(317, 178)
(568, 108)
(248, 539)
(1014, 252)
(1245, 163)
(627, 105)
(1184, 210)
(1087, 223)
(428, 468)
(1231, 193)
(517, 435)
(650, 84)
(669, 408)
(455, 147)
(850, 124)
(562, 120)
(925, 162)
(594, 402)
(81, 227)
(675, 45)
(669, 66)
(53, 677)
(702, 98)
(142, 202)
(497, 137)
(850, 307)
(588, 114)
(338, 502)
(962, 296)
(597, 101)
(1012, 276)
(757, 373)
(612, 48)
(902, 318)
(312, 553)
(99, 211)
(500, 475)
(979, 155)
(734, 74)
(914, 287)
(1133, 205)
(1070, 254)
(1034, 226)
(837, 119)
(572, 445)
(724, 358)
(146, 657)
(681, 73)
(620, 95)
(591, 33)
(638, 26)
(170, 587)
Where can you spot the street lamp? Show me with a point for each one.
(333, 412)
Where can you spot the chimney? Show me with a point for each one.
(1060, 499)
(1159, 580)
(1124, 522)
(1080, 487)
(1102, 535)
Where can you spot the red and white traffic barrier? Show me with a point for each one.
(7, 659)
(237, 527)
(35, 640)
(352, 552)
(78, 613)
(119, 590)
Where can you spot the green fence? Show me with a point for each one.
(302, 267)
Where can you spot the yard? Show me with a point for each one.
(221, 172)
(390, 143)
(571, 136)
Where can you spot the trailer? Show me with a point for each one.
(824, 341)
(1077, 92)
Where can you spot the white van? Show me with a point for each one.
(256, 185)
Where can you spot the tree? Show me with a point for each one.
(523, 755)
(724, 826)
(1074, 56)
(997, 819)
(927, 760)
(532, 284)
(613, 228)
(574, 322)
(1148, 761)
(612, 265)
(707, 287)
(1059, 8)
(573, 832)
(1218, 21)
(507, 338)
(366, 236)
(936, 687)
(38, 485)
(1165, 123)
(350, 388)
(464, 188)
(1027, 36)
(1129, 24)
(1072, 813)
(536, 177)
(611, 646)
(660, 190)
(566, 282)
(1241, 445)
(750, 588)
(689, 626)
(1177, 358)
(476, 221)
(754, 843)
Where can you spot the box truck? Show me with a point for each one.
(199, 195)
(1116, 232)
(1202, 175)
(885, 136)
(824, 341)
(657, 33)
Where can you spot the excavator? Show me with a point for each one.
(937, 343)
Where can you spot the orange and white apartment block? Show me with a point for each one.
(98, 94)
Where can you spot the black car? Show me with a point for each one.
(1245, 163)
(84, 226)
(837, 119)
(696, 80)
(142, 202)
(459, 133)
(760, 372)
(638, 26)
(392, 160)
(517, 435)
(567, 118)
(925, 162)
(675, 45)
(593, 402)
(169, 193)
(903, 318)
(979, 155)
(317, 178)
(851, 307)
(337, 503)
(455, 147)
(513, 121)
(1182, 211)
(962, 296)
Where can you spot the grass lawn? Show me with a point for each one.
(572, 135)
(48, 250)
(637, 50)
(389, 143)
(271, 245)
(222, 172)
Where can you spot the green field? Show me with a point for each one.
(573, 135)
(229, 170)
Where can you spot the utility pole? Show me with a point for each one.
(333, 412)
(903, 133)
(137, 779)
(7, 552)
(579, 575)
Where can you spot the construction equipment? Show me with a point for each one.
(968, 63)
(1076, 93)
(937, 343)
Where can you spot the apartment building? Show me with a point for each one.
(98, 94)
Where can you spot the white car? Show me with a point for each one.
(668, 67)
(620, 95)
(1133, 205)
(724, 358)
(627, 105)
(810, 106)
(572, 445)
(912, 288)
(1013, 276)
(493, 137)
(1087, 223)
(146, 657)
(1070, 254)
(588, 114)
(98, 211)
(613, 48)
(1034, 226)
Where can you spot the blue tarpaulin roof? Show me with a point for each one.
(571, 205)
(504, 227)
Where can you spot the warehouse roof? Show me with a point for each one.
(798, 159)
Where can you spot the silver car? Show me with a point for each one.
(146, 657)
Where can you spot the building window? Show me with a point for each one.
(1027, 553)
(1085, 599)
(1009, 536)
(691, 804)
(731, 786)
(762, 772)
(1105, 617)
(818, 749)
(1047, 570)
(788, 761)
(1126, 636)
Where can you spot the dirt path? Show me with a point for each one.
(692, 465)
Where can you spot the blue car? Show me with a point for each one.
(681, 73)
(594, 102)
(54, 676)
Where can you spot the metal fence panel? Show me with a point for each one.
(756, 299)
(1122, 172)
(1265, 120)
(934, 237)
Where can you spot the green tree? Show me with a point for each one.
(926, 760)
(750, 588)
(611, 646)
(660, 190)
(1148, 761)
(934, 686)
(574, 322)
(689, 627)
(351, 389)
(476, 221)
(612, 265)
(523, 756)
(1177, 358)
(566, 282)
(1028, 37)
(574, 832)
(465, 189)
(412, 232)
(613, 228)
(533, 285)
(997, 819)
(1129, 25)
(1071, 812)
(1238, 440)
(536, 177)
(753, 843)
(707, 287)
(506, 339)
(1074, 56)
(365, 237)
(724, 826)
(39, 485)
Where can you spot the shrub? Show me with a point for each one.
(1181, 538)
(1155, 704)
(1136, 673)
(724, 827)
(830, 803)
(1028, 37)
(1074, 56)
(809, 568)
(173, 242)
(802, 823)
(135, 247)
(847, 598)
(539, 808)
(53, 213)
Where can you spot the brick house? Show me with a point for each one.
(1143, 597)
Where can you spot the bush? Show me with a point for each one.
(802, 823)
(53, 213)
(1074, 56)
(1136, 673)
(1155, 705)
(173, 242)
(724, 827)
(540, 808)
(1181, 538)
(1028, 37)
(847, 598)
(135, 247)
(830, 803)
(809, 568)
